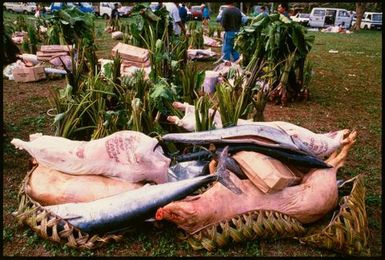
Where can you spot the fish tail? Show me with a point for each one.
(223, 174)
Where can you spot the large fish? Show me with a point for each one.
(261, 134)
(121, 211)
(284, 155)
(187, 170)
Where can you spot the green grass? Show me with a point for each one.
(337, 101)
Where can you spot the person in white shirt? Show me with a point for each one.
(177, 24)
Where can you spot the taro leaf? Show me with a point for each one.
(249, 29)
(298, 39)
(255, 21)
(274, 17)
(161, 94)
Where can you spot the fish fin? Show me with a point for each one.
(233, 166)
(223, 174)
(171, 175)
(228, 183)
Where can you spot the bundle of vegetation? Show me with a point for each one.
(71, 26)
(196, 38)
(281, 46)
(10, 49)
(30, 40)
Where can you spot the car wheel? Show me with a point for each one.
(25, 12)
(105, 16)
(366, 27)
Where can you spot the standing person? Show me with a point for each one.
(177, 24)
(283, 9)
(231, 22)
(263, 11)
(205, 14)
(38, 11)
(183, 13)
(159, 6)
(114, 17)
(351, 15)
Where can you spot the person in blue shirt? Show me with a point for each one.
(183, 13)
(205, 14)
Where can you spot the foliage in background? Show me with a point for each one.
(281, 44)
(231, 100)
(203, 120)
(196, 38)
(191, 79)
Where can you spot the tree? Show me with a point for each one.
(360, 9)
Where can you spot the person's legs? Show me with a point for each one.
(234, 53)
(226, 49)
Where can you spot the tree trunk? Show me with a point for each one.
(360, 9)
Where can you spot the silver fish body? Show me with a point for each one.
(121, 211)
(261, 134)
(186, 170)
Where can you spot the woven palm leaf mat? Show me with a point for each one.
(52, 227)
(347, 232)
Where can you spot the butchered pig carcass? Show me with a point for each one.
(315, 144)
(51, 187)
(309, 201)
(127, 155)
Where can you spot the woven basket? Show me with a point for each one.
(348, 230)
(52, 227)
(247, 226)
(346, 233)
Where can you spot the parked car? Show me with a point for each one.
(124, 10)
(85, 7)
(301, 18)
(104, 9)
(323, 17)
(20, 7)
(153, 6)
(256, 10)
(370, 20)
(245, 18)
(196, 12)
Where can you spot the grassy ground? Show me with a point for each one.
(345, 93)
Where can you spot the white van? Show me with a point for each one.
(324, 17)
(104, 9)
(370, 20)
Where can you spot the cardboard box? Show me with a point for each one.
(51, 54)
(130, 52)
(55, 48)
(265, 172)
(128, 63)
(28, 74)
